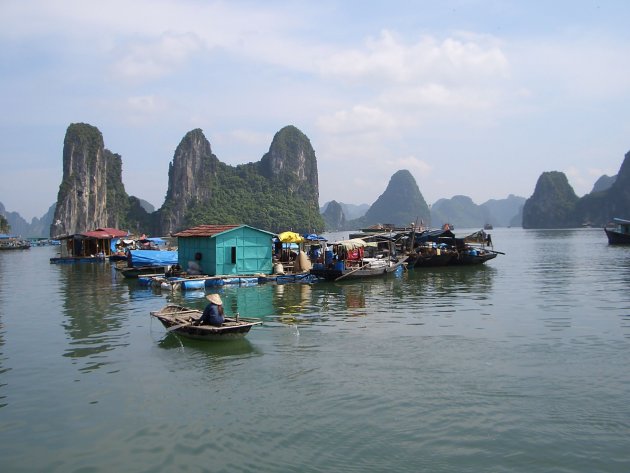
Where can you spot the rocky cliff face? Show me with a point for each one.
(190, 180)
(599, 208)
(553, 203)
(291, 161)
(401, 204)
(603, 183)
(91, 187)
(334, 216)
(277, 193)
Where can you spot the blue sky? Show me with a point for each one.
(473, 97)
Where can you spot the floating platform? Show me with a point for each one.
(199, 283)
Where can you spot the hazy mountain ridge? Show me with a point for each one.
(350, 211)
(38, 228)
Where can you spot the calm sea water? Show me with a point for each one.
(521, 365)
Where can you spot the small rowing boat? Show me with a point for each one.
(179, 319)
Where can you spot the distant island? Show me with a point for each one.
(280, 192)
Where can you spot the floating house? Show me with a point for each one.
(92, 246)
(225, 249)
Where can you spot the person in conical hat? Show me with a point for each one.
(213, 313)
(215, 299)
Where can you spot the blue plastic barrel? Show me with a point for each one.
(328, 257)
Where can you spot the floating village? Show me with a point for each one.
(206, 257)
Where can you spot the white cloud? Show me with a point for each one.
(429, 59)
(412, 163)
(150, 59)
(599, 172)
(359, 119)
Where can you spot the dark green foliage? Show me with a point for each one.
(137, 219)
(553, 204)
(4, 225)
(242, 196)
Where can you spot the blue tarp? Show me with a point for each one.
(313, 237)
(153, 258)
(157, 240)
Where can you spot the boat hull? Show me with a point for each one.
(77, 259)
(335, 273)
(141, 270)
(617, 238)
(470, 259)
(178, 320)
(429, 261)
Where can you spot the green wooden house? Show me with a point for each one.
(226, 249)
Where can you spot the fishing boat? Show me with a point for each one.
(441, 248)
(8, 242)
(368, 267)
(472, 255)
(348, 260)
(618, 232)
(433, 255)
(179, 319)
(136, 271)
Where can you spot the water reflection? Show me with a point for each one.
(326, 301)
(552, 273)
(451, 281)
(206, 349)
(93, 312)
(3, 356)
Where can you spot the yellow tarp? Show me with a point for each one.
(290, 237)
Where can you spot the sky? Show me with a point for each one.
(475, 98)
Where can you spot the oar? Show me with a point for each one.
(350, 272)
(175, 327)
(498, 252)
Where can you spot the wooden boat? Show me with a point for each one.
(77, 259)
(618, 232)
(441, 248)
(430, 257)
(356, 258)
(179, 319)
(136, 271)
(367, 267)
(474, 256)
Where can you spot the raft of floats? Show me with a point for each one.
(192, 283)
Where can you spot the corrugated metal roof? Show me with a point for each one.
(105, 233)
(205, 230)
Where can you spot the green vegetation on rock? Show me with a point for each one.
(553, 203)
(4, 225)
